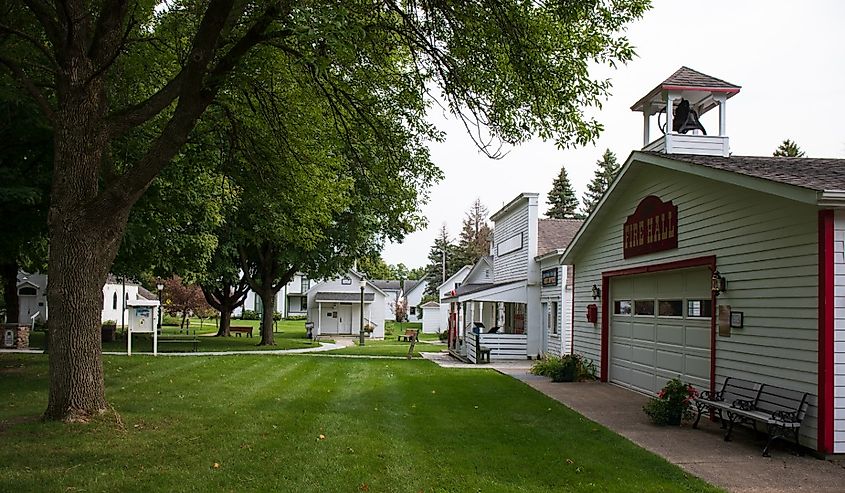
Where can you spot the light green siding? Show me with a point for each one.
(765, 246)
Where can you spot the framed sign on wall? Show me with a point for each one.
(550, 277)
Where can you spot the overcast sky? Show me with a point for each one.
(786, 55)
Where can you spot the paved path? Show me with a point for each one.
(323, 347)
(736, 466)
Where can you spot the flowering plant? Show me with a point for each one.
(673, 403)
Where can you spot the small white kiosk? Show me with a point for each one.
(143, 318)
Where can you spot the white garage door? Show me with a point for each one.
(660, 329)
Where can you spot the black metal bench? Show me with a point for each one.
(194, 342)
(745, 401)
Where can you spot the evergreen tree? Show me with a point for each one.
(607, 169)
(563, 204)
(443, 261)
(788, 148)
(476, 234)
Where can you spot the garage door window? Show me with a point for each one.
(644, 307)
(670, 308)
(622, 307)
(699, 308)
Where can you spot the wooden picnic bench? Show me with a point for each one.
(195, 342)
(744, 401)
(241, 330)
(410, 335)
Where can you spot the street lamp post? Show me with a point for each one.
(361, 328)
(160, 287)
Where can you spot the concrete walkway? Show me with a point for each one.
(736, 466)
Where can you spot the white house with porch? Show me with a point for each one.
(335, 306)
(500, 305)
(446, 290)
(32, 298)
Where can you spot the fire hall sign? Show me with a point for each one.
(651, 228)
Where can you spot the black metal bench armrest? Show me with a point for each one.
(744, 405)
(786, 416)
(711, 396)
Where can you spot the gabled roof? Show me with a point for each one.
(328, 296)
(821, 181)
(687, 79)
(386, 284)
(482, 263)
(143, 293)
(555, 234)
(525, 196)
(430, 304)
(463, 271)
(816, 174)
(411, 285)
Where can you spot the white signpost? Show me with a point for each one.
(143, 318)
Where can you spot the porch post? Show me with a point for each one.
(319, 318)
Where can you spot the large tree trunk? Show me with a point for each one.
(9, 272)
(267, 296)
(83, 245)
(225, 321)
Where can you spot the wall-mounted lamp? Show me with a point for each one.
(718, 283)
(596, 292)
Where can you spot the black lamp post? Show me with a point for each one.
(160, 287)
(361, 328)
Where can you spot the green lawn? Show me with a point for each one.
(387, 347)
(387, 426)
(292, 336)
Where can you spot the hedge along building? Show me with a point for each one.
(703, 265)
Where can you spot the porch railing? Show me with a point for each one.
(502, 346)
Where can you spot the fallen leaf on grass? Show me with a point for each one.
(364, 487)
(216, 465)
(321, 437)
(570, 461)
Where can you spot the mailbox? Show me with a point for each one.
(592, 313)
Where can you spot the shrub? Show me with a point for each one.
(673, 403)
(250, 315)
(170, 320)
(569, 368)
(296, 317)
(443, 335)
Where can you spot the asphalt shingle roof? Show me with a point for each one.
(553, 234)
(688, 77)
(329, 296)
(818, 174)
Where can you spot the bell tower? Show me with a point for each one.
(678, 102)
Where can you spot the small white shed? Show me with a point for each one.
(431, 317)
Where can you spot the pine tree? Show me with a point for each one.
(443, 261)
(563, 204)
(476, 234)
(788, 148)
(607, 169)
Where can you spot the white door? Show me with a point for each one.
(660, 329)
(344, 319)
(28, 307)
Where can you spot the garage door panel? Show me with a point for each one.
(646, 352)
(643, 378)
(623, 329)
(670, 334)
(643, 332)
(698, 337)
(642, 355)
(623, 351)
(670, 360)
(669, 285)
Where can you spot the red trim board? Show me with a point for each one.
(826, 332)
(708, 261)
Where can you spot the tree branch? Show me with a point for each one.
(25, 82)
(32, 40)
(45, 16)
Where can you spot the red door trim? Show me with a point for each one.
(706, 261)
(826, 333)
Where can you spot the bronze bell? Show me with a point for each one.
(686, 119)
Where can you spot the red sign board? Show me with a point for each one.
(653, 227)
